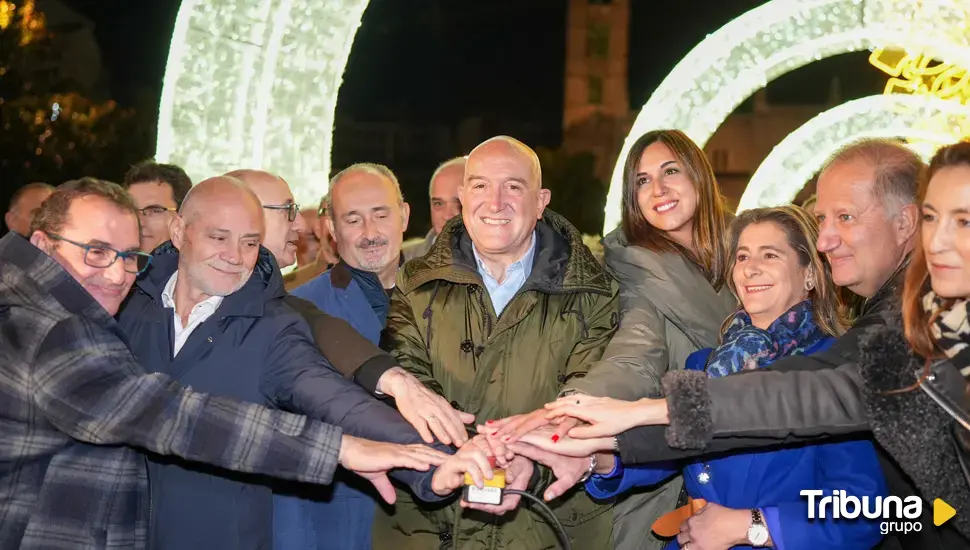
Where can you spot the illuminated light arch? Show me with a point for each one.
(778, 37)
(253, 83)
(796, 159)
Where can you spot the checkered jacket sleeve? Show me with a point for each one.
(89, 386)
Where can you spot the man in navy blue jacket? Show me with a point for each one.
(209, 313)
(367, 216)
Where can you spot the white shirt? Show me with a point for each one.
(202, 311)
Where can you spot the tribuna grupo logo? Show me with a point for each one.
(898, 515)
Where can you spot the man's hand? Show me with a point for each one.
(715, 527)
(494, 448)
(371, 460)
(427, 411)
(450, 475)
(568, 470)
(517, 476)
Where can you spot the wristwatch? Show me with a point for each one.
(758, 532)
(589, 472)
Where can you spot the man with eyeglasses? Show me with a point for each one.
(211, 313)
(341, 517)
(158, 191)
(353, 355)
(80, 412)
(326, 255)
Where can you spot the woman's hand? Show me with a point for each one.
(567, 446)
(715, 527)
(606, 416)
(509, 430)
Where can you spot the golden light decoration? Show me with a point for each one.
(923, 75)
(32, 22)
(7, 10)
(253, 83)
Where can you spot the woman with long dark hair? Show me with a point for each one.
(911, 381)
(669, 258)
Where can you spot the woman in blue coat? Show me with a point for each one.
(754, 499)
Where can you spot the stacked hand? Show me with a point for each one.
(581, 417)
(564, 436)
(567, 433)
(430, 414)
(371, 460)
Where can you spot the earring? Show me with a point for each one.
(809, 285)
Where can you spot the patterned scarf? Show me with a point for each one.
(745, 346)
(951, 330)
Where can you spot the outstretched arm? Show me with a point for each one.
(795, 400)
(89, 386)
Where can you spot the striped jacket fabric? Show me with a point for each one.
(77, 413)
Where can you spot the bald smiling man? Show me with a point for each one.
(209, 312)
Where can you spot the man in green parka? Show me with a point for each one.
(506, 309)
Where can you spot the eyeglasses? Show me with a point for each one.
(293, 209)
(155, 210)
(102, 256)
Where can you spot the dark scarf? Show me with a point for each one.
(746, 347)
(951, 330)
(377, 297)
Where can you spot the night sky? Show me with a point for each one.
(442, 60)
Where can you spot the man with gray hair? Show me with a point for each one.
(445, 204)
(367, 216)
(24, 203)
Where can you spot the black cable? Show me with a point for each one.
(560, 531)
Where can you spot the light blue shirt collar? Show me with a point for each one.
(515, 276)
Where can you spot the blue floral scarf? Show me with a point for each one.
(746, 347)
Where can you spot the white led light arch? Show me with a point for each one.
(796, 159)
(776, 38)
(254, 83)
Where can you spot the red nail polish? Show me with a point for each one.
(489, 421)
(555, 438)
(495, 433)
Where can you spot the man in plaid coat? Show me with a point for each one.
(76, 409)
